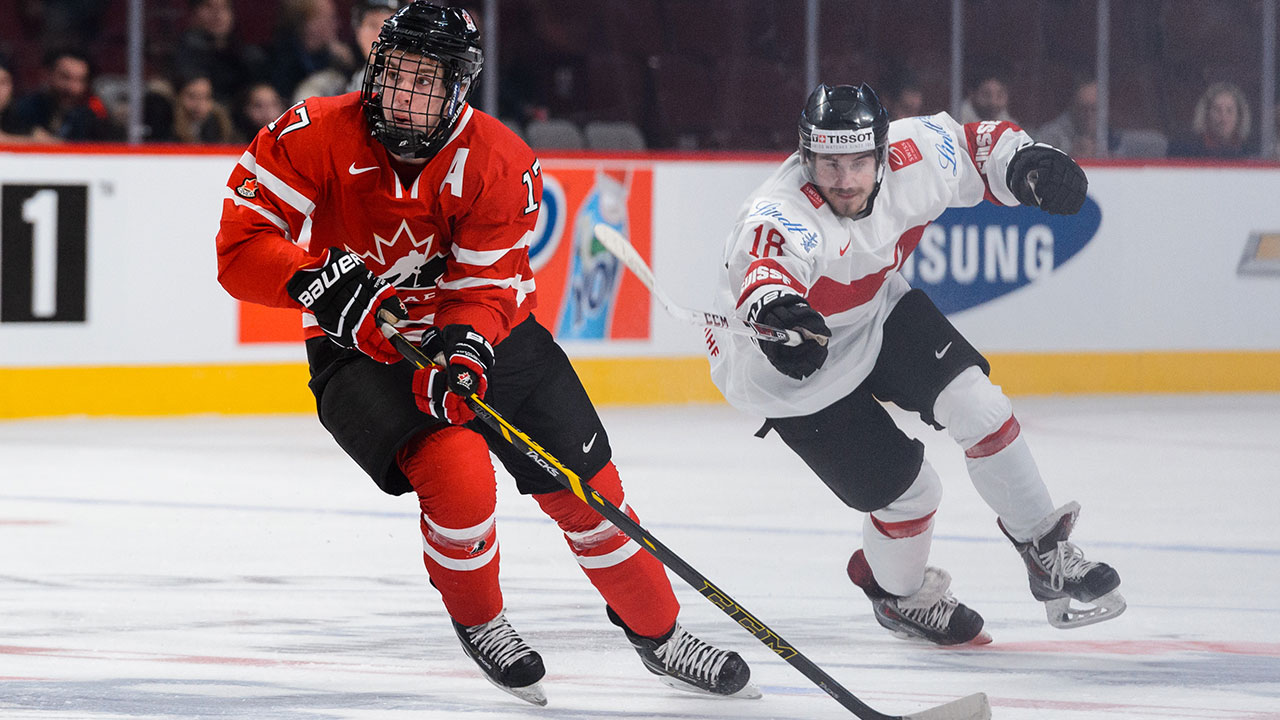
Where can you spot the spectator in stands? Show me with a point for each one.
(307, 44)
(259, 106)
(64, 106)
(210, 47)
(197, 116)
(906, 101)
(1075, 131)
(1221, 125)
(987, 99)
(367, 17)
(13, 130)
(903, 96)
(157, 111)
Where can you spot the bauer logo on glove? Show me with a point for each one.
(328, 276)
(345, 298)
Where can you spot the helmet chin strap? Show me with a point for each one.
(871, 197)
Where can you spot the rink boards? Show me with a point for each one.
(109, 302)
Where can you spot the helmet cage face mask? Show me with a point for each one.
(412, 101)
(419, 76)
(844, 119)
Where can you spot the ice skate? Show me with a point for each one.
(1058, 573)
(506, 660)
(685, 662)
(932, 613)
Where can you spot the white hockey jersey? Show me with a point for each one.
(787, 237)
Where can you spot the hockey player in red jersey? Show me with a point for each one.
(817, 248)
(404, 198)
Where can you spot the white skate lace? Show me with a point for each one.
(937, 615)
(1065, 562)
(497, 640)
(689, 655)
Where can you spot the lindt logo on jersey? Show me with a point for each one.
(844, 140)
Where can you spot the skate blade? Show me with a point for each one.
(748, 691)
(1062, 615)
(529, 693)
(973, 707)
(982, 638)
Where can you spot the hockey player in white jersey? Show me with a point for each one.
(818, 248)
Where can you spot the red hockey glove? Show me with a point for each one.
(441, 391)
(345, 298)
(431, 392)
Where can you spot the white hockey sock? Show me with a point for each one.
(979, 417)
(896, 538)
(1010, 483)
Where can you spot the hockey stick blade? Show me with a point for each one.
(974, 707)
(615, 243)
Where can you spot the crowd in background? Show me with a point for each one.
(214, 82)
(211, 86)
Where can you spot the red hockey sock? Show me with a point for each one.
(632, 581)
(450, 470)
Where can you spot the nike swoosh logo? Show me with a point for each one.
(943, 351)
(356, 171)
(586, 446)
(845, 249)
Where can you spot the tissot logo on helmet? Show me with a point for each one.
(844, 119)
(861, 137)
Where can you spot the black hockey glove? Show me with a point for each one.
(1044, 176)
(790, 312)
(467, 356)
(432, 345)
(345, 298)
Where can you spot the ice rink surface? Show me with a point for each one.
(215, 566)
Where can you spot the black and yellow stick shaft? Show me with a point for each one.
(968, 708)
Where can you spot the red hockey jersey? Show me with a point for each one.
(453, 241)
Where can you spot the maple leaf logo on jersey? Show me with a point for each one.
(418, 268)
(248, 188)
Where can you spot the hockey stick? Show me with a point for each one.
(973, 707)
(615, 243)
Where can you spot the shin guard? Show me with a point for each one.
(896, 538)
(451, 473)
(632, 582)
(980, 419)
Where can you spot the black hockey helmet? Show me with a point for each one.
(844, 119)
(439, 48)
